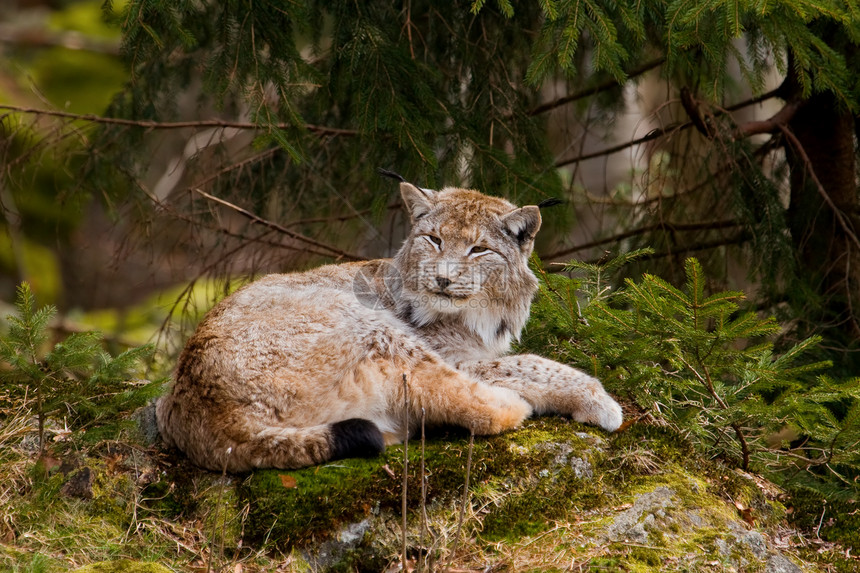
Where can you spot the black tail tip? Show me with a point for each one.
(356, 438)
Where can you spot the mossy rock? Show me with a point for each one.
(298, 507)
(122, 566)
(639, 500)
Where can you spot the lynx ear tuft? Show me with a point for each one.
(523, 223)
(550, 202)
(391, 174)
(418, 201)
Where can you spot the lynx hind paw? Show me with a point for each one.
(355, 438)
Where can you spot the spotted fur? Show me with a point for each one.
(297, 369)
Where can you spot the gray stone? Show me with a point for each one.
(581, 468)
(146, 422)
(650, 521)
(637, 534)
(330, 553)
(695, 518)
(79, 484)
(352, 533)
(780, 564)
(629, 524)
(756, 543)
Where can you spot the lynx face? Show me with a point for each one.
(467, 255)
(456, 270)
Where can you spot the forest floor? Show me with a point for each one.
(552, 496)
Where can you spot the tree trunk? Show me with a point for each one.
(823, 215)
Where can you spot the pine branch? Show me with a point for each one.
(736, 239)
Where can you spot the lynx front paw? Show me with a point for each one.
(507, 412)
(584, 399)
(607, 414)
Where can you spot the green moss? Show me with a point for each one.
(606, 563)
(222, 523)
(531, 507)
(178, 493)
(159, 498)
(327, 496)
(122, 566)
(647, 556)
(331, 495)
(113, 496)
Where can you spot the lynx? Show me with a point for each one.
(297, 369)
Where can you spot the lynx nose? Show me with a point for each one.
(443, 282)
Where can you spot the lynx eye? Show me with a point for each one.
(435, 241)
(476, 250)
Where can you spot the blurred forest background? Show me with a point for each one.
(154, 151)
(156, 154)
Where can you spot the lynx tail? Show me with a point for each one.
(270, 446)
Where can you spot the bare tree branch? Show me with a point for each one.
(671, 227)
(653, 134)
(28, 38)
(337, 253)
(776, 123)
(340, 218)
(149, 124)
(837, 212)
(234, 166)
(771, 125)
(660, 132)
(738, 239)
(596, 89)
